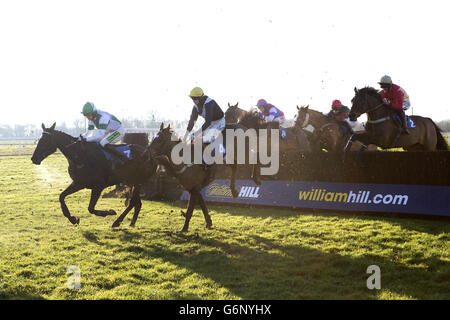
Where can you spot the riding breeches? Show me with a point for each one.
(113, 137)
(213, 131)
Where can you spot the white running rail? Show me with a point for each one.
(25, 145)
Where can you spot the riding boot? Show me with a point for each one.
(404, 124)
(120, 156)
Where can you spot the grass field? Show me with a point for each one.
(251, 253)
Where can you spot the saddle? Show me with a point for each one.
(410, 124)
(116, 154)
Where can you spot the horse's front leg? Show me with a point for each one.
(364, 138)
(190, 209)
(95, 195)
(69, 190)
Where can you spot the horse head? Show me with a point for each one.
(46, 146)
(232, 114)
(301, 116)
(161, 143)
(365, 100)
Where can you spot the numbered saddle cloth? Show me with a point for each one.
(125, 149)
(410, 124)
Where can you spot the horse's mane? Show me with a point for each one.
(252, 119)
(64, 133)
(370, 91)
(316, 112)
(312, 110)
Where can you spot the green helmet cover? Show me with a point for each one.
(88, 108)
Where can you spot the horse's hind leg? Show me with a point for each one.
(131, 205)
(202, 203)
(95, 195)
(69, 190)
(256, 174)
(234, 192)
(189, 211)
(137, 206)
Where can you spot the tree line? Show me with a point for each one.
(78, 126)
(444, 125)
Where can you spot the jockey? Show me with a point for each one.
(109, 129)
(270, 112)
(207, 108)
(395, 97)
(340, 113)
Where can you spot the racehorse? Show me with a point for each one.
(234, 113)
(327, 133)
(291, 139)
(193, 177)
(90, 169)
(384, 130)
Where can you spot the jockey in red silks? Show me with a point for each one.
(395, 97)
(270, 112)
(339, 112)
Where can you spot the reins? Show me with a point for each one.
(373, 109)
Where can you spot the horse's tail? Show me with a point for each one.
(441, 141)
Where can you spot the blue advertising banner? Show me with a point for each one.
(432, 200)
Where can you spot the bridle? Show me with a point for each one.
(373, 109)
(309, 127)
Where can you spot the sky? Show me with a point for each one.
(133, 58)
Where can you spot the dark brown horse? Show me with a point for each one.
(290, 139)
(90, 169)
(234, 114)
(327, 133)
(193, 177)
(384, 130)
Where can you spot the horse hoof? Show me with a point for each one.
(74, 220)
(235, 193)
(209, 226)
(184, 230)
(132, 225)
(112, 213)
(115, 224)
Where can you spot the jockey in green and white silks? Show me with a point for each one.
(109, 128)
